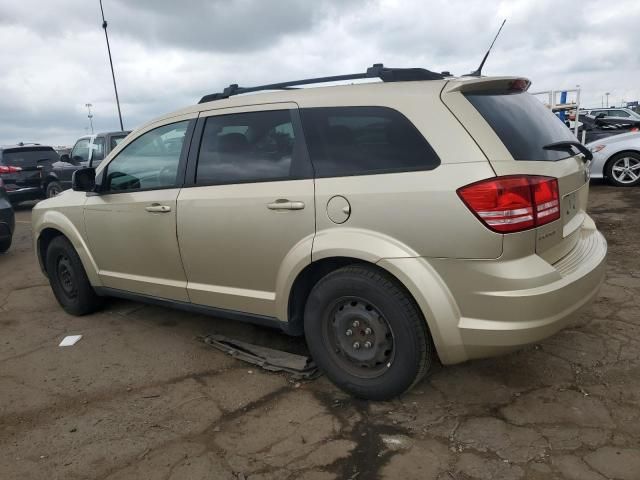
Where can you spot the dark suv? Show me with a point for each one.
(33, 171)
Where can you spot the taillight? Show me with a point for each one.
(513, 203)
(5, 169)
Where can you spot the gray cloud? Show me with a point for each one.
(168, 54)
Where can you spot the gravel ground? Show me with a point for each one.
(141, 397)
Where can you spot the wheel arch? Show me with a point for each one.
(53, 224)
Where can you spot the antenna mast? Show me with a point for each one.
(478, 72)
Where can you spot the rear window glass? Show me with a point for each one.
(346, 141)
(523, 124)
(29, 157)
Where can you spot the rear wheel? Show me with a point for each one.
(623, 169)
(366, 333)
(53, 189)
(68, 279)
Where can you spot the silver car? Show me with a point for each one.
(617, 159)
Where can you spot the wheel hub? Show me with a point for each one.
(361, 335)
(65, 276)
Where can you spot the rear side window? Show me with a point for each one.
(29, 157)
(346, 141)
(250, 147)
(523, 124)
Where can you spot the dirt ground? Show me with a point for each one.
(140, 396)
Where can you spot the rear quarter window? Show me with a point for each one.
(523, 124)
(344, 141)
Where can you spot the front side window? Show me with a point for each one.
(346, 141)
(115, 140)
(619, 113)
(249, 147)
(80, 152)
(98, 150)
(149, 162)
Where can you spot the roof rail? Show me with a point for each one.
(376, 71)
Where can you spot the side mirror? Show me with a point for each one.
(84, 180)
(65, 158)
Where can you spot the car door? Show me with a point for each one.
(248, 214)
(131, 221)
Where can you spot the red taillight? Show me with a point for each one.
(5, 169)
(513, 203)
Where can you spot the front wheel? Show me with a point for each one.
(68, 279)
(366, 333)
(623, 170)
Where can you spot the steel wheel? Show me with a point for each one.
(64, 271)
(626, 170)
(359, 337)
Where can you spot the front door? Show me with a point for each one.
(249, 211)
(131, 224)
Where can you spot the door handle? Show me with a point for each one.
(284, 204)
(157, 208)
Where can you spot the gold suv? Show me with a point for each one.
(392, 222)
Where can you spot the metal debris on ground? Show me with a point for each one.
(299, 366)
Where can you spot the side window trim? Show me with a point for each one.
(180, 176)
(301, 152)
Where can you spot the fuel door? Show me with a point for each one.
(338, 209)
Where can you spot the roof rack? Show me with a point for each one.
(376, 71)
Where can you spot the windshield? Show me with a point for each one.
(29, 157)
(523, 124)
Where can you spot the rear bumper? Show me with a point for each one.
(497, 306)
(26, 193)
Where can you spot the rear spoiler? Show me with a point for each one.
(488, 85)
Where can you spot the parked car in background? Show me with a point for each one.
(90, 150)
(7, 219)
(31, 171)
(613, 113)
(599, 127)
(384, 221)
(617, 159)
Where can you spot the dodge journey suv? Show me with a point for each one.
(393, 223)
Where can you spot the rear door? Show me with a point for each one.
(247, 216)
(512, 128)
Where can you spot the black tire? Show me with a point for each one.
(5, 244)
(373, 298)
(53, 189)
(68, 279)
(617, 161)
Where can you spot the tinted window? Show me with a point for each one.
(29, 157)
(249, 147)
(98, 149)
(523, 124)
(80, 152)
(150, 161)
(364, 140)
(618, 113)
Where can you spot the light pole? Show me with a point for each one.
(607, 94)
(113, 75)
(90, 115)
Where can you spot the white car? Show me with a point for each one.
(617, 159)
(613, 113)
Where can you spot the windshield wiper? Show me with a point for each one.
(568, 146)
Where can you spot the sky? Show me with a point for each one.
(168, 53)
